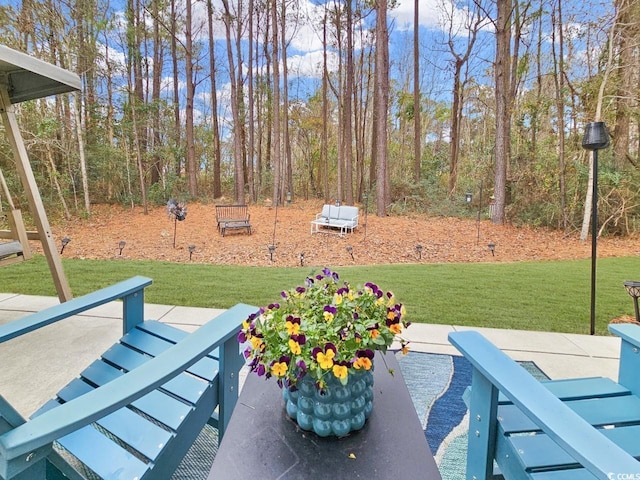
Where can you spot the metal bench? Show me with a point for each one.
(584, 428)
(135, 411)
(232, 217)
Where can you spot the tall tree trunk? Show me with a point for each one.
(348, 110)
(460, 60)
(177, 126)
(503, 116)
(417, 132)
(192, 166)
(156, 161)
(627, 49)
(288, 174)
(251, 148)
(277, 154)
(382, 101)
(238, 173)
(558, 76)
(325, 111)
(215, 133)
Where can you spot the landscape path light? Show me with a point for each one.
(64, 242)
(121, 245)
(633, 288)
(350, 251)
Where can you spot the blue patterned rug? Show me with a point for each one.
(436, 383)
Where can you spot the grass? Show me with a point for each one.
(545, 296)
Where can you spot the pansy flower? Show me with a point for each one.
(329, 312)
(364, 359)
(318, 325)
(292, 325)
(325, 356)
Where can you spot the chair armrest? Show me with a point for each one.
(131, 291)
(628, 332)
(221, 332)
(576, 436)
(629, 355)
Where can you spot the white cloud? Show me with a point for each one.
(433, 14)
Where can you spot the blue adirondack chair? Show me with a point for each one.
(585, 428)
(134, 412)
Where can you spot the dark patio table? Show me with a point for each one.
(261, 442)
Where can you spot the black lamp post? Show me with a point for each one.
(595, 138)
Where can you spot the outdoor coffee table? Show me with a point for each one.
(261, 442)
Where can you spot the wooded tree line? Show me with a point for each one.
(202, 99)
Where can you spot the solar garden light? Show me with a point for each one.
(302, 259)
(419, 250)
(350, 251)
(192, 248)
(492, 249)
(633, 288)
(64, 242)
(288, 198)
(121, 245)
(468, 197)
(272, 248)
(595, 138)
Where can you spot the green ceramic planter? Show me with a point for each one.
(337, 410)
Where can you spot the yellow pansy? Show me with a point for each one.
(294, 347)
(256, 343)
(279, 369)
(340, 371)
(325, 360)
(292, 328)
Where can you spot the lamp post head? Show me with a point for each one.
(595, 136)
(633, 289)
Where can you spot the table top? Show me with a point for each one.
(262, 442)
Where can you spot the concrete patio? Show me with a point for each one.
(35, 366)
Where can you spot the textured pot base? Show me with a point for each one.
(337, 410)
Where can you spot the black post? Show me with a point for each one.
(595, 138)
(594, 240)
(479, 210)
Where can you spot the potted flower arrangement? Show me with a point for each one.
(319, 343)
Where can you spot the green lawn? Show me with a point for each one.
(547, 296)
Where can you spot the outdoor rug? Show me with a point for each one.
(436, 383)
